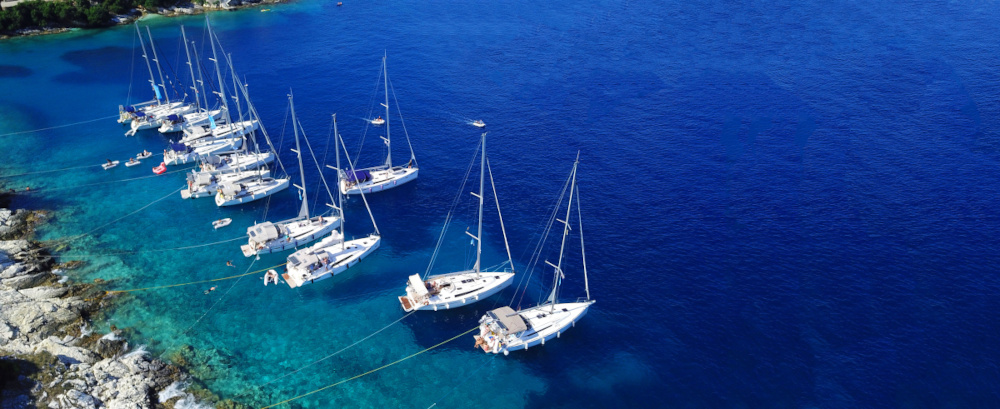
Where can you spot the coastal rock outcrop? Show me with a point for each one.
(48, 357)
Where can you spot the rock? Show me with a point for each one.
(44, 293)
(25, 281)
(110, 348)
(65, 353)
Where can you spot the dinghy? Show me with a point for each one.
(479, 123)
(109, 165)
(160, 169)
(270, 276)
(143, 155)
(132, 162)
(221, 223)
(378, 121)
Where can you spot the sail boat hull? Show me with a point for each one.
(545, 322)
(455, 290)
(326, 260)
(252, 191)
(381, 179)
(298, 232)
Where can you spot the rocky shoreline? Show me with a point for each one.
(49, 357)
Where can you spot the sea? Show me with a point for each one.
(784, 204)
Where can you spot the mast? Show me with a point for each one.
(482, 175)
(304, 211)
(222, 85)
(163, 83)
(194, 84)
(558, 266)
(201, 81)
(388, 143)
(340, 195)
(152, 80)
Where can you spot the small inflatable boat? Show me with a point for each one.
(143, 155)
(160, 169)
(479, 123)
(132, 163)
(270, 276)
(378, 121)
(222, 222)
(109, 165)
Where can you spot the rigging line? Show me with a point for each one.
(57, 170)
(536, 256)
(158, 287)
(318, 167)
(373, 370)
(502, 228)
(466, 379)
(131, 75)
(151, 250)
(413, 156)
(368, 121)
(451, 212)
(220, 299)
(52, 189)
(338, 352)
(59, 126)
(69, 239)
(326, 150)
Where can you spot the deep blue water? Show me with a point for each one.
(785, 206)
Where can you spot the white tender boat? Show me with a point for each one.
(479, 123)
(132, 162)
(109, 165)
(378, 121)
(445, 291)
(221, 223)
(386, 176)
(268, 237)
(505, 330)
(332, 255)
(207, 185)
(143, 155)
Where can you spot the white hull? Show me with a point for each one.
(201, 151)
(382, 179)
(337, 259)
(543, 325)
(236, 129)
(456, 290)
(297, 233)
(190, 120)
(199, 190)
(236, 162)
(252, 191)
(155, 116)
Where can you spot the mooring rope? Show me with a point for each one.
(71, 238)
(58, 126)
(194, 282)
(373, 370)
(57, 170)
(117, 253)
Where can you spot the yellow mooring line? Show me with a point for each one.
(373, 370)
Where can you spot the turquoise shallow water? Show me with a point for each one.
(785, 205)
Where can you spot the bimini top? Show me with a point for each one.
(130, 109)
(418, 285)
(358, 175)
(140, 114)
(179, 147)
(509, 319)
(173, 118)
(263, 232)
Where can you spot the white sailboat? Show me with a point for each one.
(268, 237)
(152, 115)
(445, 291)
(179, 153)
(332, 255)
(207, 185)
(386, 176)
(505, 330)
(201, 115)
(235, 162)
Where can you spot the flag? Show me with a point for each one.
(211, 120)
(158, 95)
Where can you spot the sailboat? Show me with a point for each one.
(201, 115)
(446, 291)
(201, 184)
(268, 237)
(150, 118)
(386, 176)
(505, 330)
(332, 255)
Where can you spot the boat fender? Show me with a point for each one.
(543, 341)
(506, 352)
(558, 334)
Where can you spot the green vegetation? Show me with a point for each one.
(71, 13)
